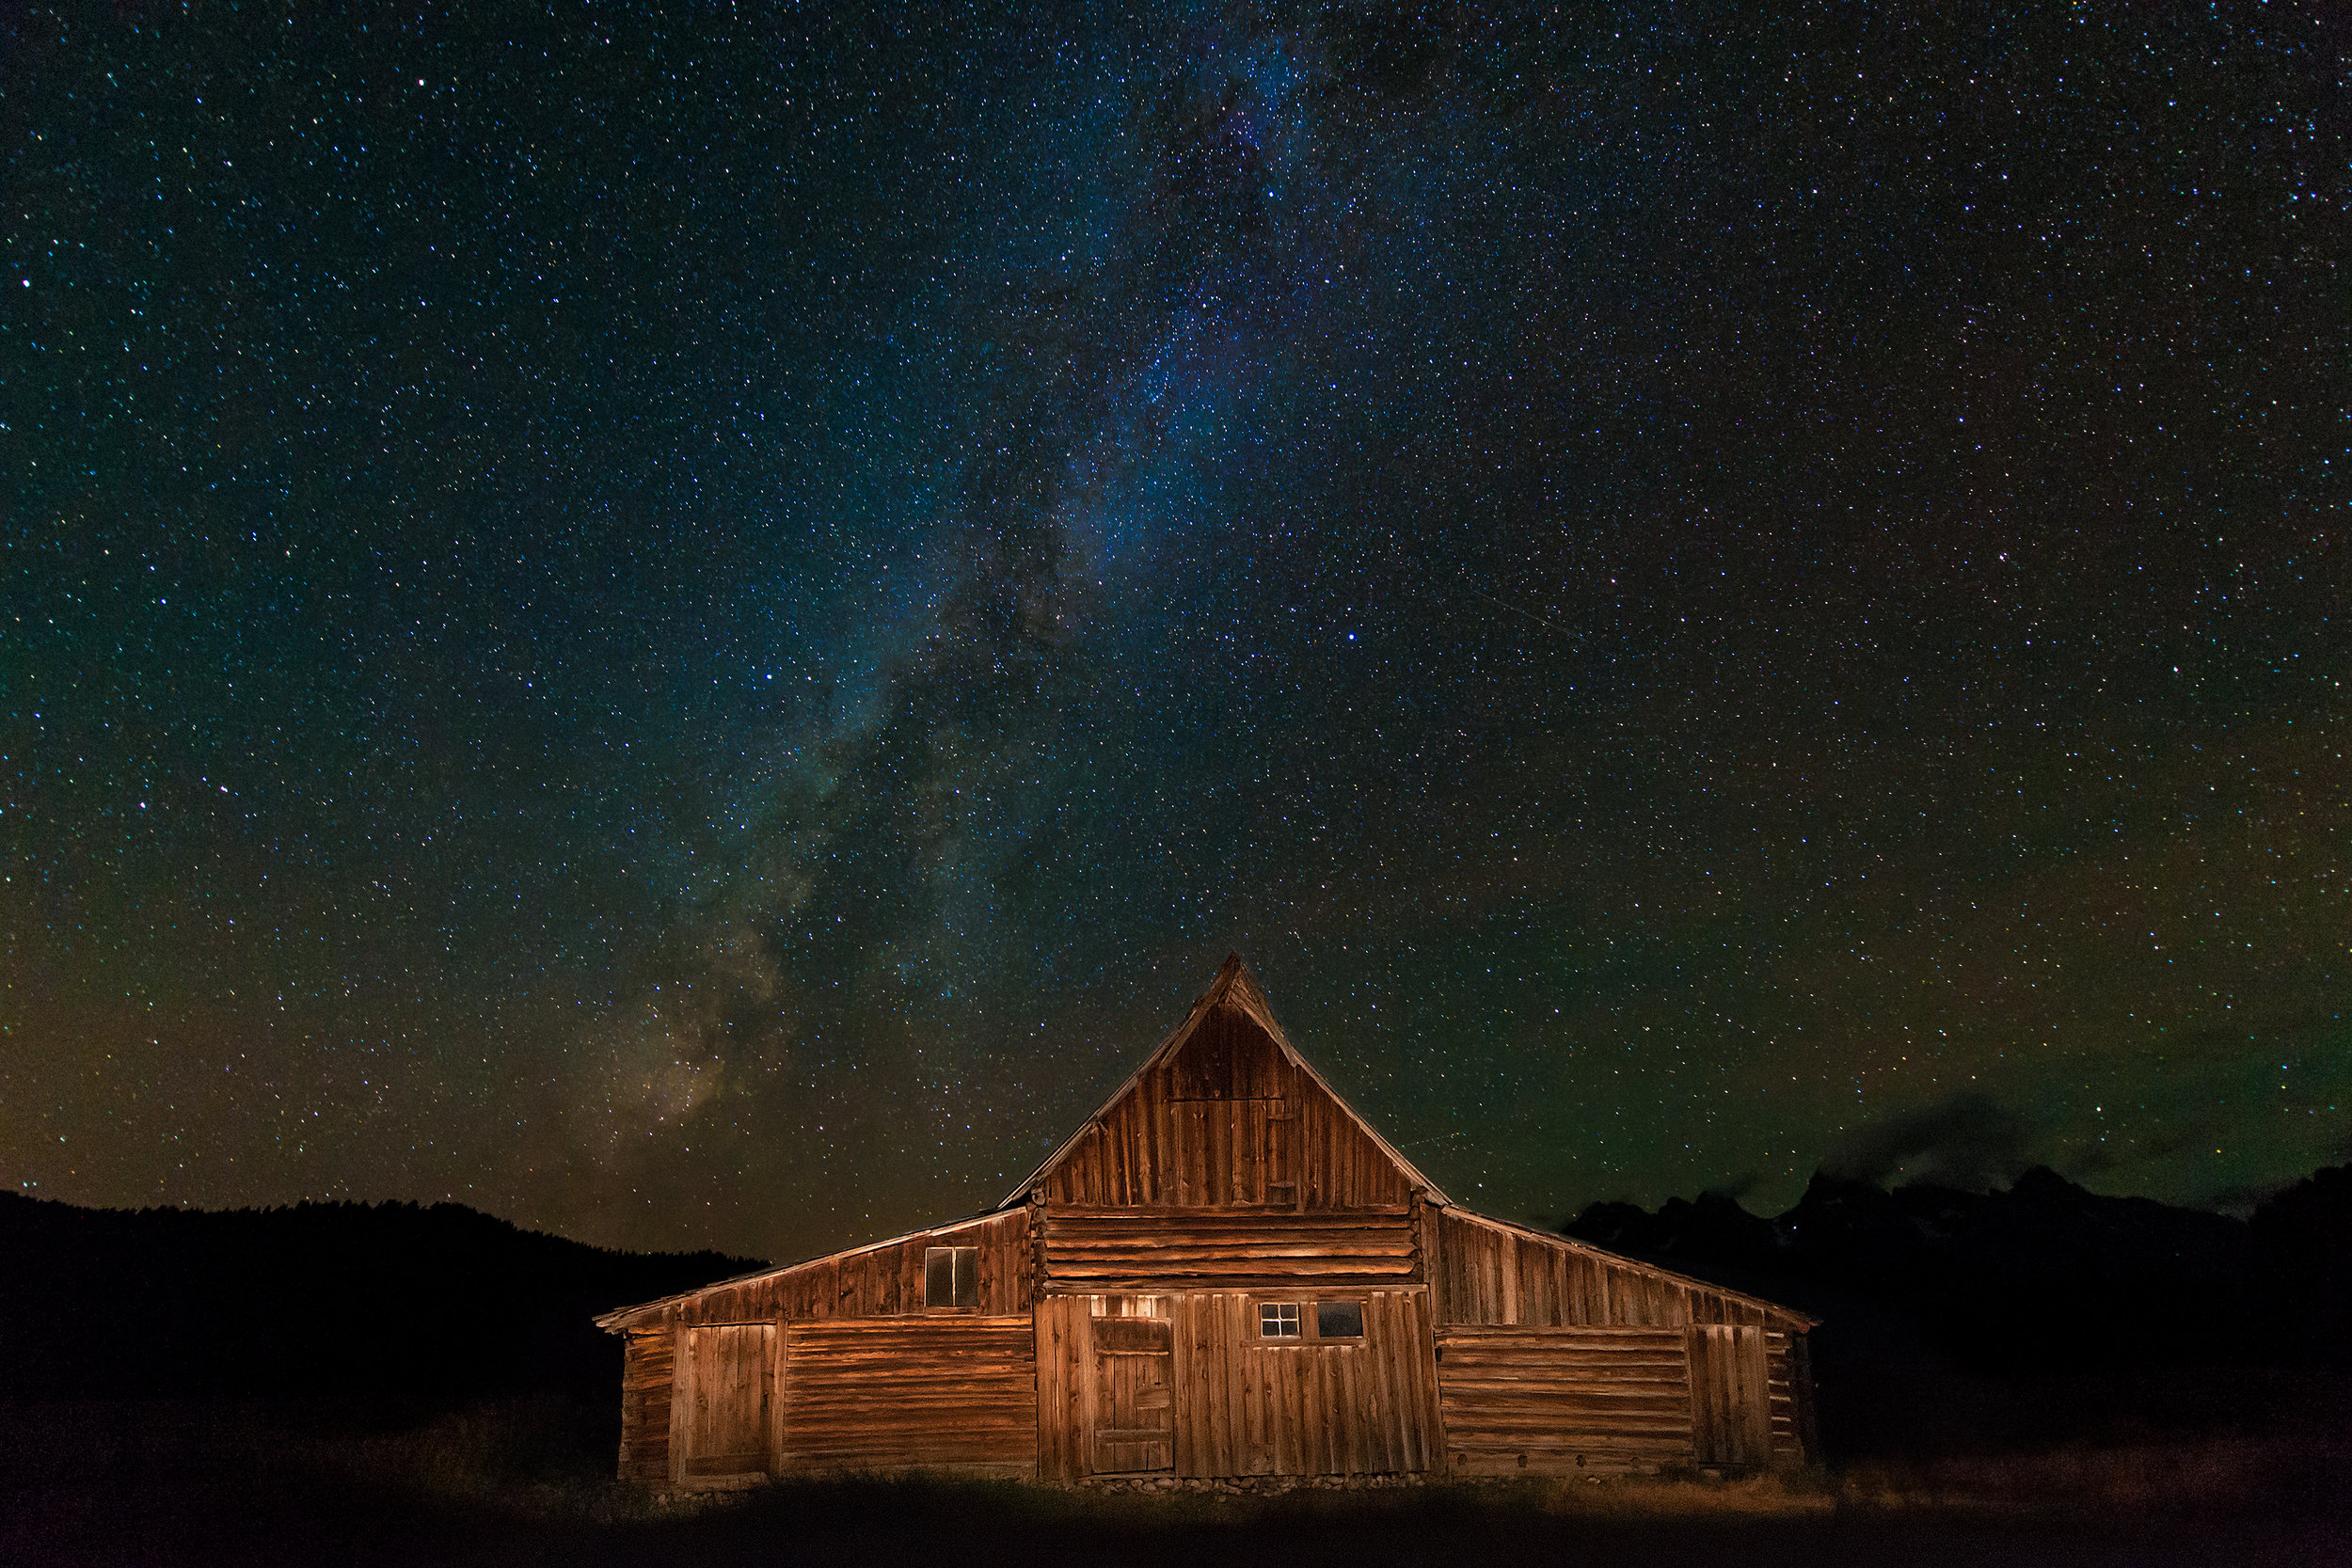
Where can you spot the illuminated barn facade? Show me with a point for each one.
(1225, 1273)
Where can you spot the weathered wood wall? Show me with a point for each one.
(1243, 1406)
(723, 1405)
(1097, 1249)
(1556, 1401)
(1248, 1407)
(1731, 1413)
(1064, 1342)
(881, 1281)
(871, 1282)
(1789, 1383)
(646, 1364)
(1225, 1120)
(1485, 1272)
(948, 1392)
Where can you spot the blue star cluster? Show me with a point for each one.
(692, 624)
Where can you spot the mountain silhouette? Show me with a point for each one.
(332, 1300)
(1952, 1319)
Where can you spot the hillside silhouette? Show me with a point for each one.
(433, 1304)
(2038, 1312)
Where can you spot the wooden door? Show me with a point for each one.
(1731, 1410)
(724, 1425)
(1135, 1427)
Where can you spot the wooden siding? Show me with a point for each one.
(646, 1364)
(1485, 1272)
(1112, 1249)
(1246, 1406)
(1064, 1342)
(1731, 1416)
(881, 1281)
(1225, 1119)
(1559, 1401)
(1788, 1380)
(723, 1406)
(947, 1392)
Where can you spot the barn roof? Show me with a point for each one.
(1236, 989)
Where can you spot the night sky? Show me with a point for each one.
(696, 625)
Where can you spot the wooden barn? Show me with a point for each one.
(1225, 1273)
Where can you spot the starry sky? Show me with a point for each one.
(695, 624)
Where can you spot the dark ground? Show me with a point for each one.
(524, 1483)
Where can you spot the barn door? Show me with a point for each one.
(1731, 1409)
(726, 1426)
(1134, 1364)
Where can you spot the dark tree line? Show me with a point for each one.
(2037, 1312)
(328, 1300)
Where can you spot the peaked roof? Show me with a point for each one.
(1236, 989)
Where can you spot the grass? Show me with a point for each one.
(527, 1482)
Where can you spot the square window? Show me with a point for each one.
(1277, 1319)
(1339, 1320)
(951, 1276)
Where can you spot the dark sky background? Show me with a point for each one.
(694, 625)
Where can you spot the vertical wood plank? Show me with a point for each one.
(1251, 1435)
(777, 1385)
(681, 1401)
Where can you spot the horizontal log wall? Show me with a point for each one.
(1226, 1120)
(956, 1393)
(1528, 1400)
(1109, 1249)
(1248, 1407)
(646, 1369)
(1485, 1273)
(876, 1282)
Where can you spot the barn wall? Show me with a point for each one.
(1226, 1120)
(1527, 1400)
(1112, 1249)
(878, 1282)
(647, 1360)
(1064, 1343)
(1789, 1381)
(722, 1403)
(1485, 1273)
(1248, 1407)
(1730, 1395)
(950, 1392)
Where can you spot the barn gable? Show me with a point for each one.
(1226, 1114)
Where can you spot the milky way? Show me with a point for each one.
(694, 625)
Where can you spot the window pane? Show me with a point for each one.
(968, 1276)
(939, 1276)
(1339, 1320)
(1277, 1319)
